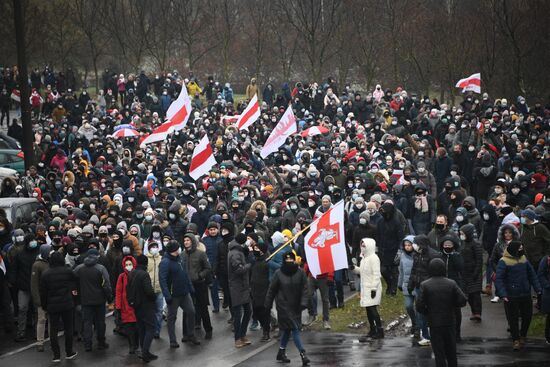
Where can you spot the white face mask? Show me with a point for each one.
(149, 217)
(463, 237)
(515, 191)
(156, 234)
(311, 204)
(363, 221)
(485, 216)
(154, 250)
(129, 268)
(172, 216)
(459, 218)
(415, 247)
(293, 207)
(19, 238)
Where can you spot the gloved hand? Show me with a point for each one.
(372, 294)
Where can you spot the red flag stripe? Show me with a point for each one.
(200, 158)
(248, 115)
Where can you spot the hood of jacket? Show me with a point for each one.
(469, 230)
(422, 241)
(436, 268)
(502, 228)
(409, 238)
(452, 239)
(194, 241)
(368, 247)
(234, 245)
(91, 260)
(126, 258)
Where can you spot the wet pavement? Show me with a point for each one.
(332, 350)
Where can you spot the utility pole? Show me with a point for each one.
(23, 81)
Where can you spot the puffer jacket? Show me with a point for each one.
(38, 268)
(472, 253)
(405, 266)
(536, 239)
(127, 314)
(196, 263)
(174, 280)
(153, 265)
(500, 246)
(421, 261)
(371, 278)
(56, 287)
(515, 277)
(238, 275)
(94, 284)
(19, 273)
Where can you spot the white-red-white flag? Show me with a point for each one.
(285, 128)
(325, 244)
(202, 160)
(471, 83)
(314, 130)
(227, 120)
(250, 114)
(176, 118)
(2, 266)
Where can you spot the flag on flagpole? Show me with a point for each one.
(314, 130)
(285, 128)
(177, 116)
(250, 114)
(471, 83)
(325, 244)
(202, 160)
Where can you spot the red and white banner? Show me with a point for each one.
(471, 83)
(250, 114)
(325, 244)
(16, 95)
(228, 120)
(285, 128)
(177, 116)
(203, 159)
(314, 130)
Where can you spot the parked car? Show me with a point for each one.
(7, 142)
(20, 211)
(12, 158)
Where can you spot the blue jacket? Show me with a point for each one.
(405, 267)
(515, 277)
(211, 244)
(174, 280)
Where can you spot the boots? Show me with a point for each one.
(305, 359)
(281, 356)
(379, 333)
(265, 336)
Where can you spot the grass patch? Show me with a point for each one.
(536, 329)
(390, 309)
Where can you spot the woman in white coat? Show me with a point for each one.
(371, 287)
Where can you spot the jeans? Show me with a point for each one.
(188, 321)
(421, 321)
(23, 302)
(295, 336)
(159, 306)
(409, 307)
(322, 285)
(54, 319)
(336, 290)
(145, 316)
(520, 307)
(93, 315)
(241, 318)
(40, 325)
(444, 346)
(215, 295)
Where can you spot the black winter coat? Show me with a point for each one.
(56, 286)
(238, 275)
(439, 297)
(94, 284)
(291, 295)
(473, 266)
(421, 262)
(21, 268)
(389, 235)
(259, 281)
(140, 289)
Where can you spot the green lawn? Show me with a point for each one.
(390, 310)
(537, 326)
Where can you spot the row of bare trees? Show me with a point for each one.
(424, 45)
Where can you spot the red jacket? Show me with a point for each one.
(127, 313)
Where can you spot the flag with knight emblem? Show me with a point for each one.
(325, 245)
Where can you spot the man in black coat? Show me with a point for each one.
(141, 296)
(389, 233)
(438, 299)
(259, 284)
(57, 287)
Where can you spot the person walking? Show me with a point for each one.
(514, 280)
(544, 279)
(125, 310)
(154, 258)
(141, 296)
(472, 275)
(371, 288)
(239, 286)
(438, 299)
(58, 285)
(406, 262)
(95, 292)
(38, 268)
(259, 284)
(177, 288)
(289, 289)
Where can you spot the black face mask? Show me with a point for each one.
(289, 268)
(440, 226)
(257, 253)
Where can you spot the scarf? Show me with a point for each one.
(421, 203)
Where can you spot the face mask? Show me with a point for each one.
(523, 220)
(172, 216)
(415, 247)
(485, 216)
(156, 234)
(447, 250)
(293, 207)
(414, 182)
(69, 192)
(515, 169)
(129, 268)
(422, 170)
(126, 250)
(199, 194)
(515, 191)
(362, 221)
(311, 204)
(225, 232)
(459, 218)
(186, 192)
(463, 237)
(149, 218)
(471, 149)
(154, 250)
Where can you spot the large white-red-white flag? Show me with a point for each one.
(314, 130)
(471, 83)
(325, 244)
(202, 160)
(250, 114)
(285, 128)
(176, 118)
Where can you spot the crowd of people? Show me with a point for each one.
(125, 228)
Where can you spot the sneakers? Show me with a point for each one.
(516, 346)
(476, 318)
(424, 342)
(174, 345)
(265, 337)
(56, 360)
(71, 356)
(326, 325)
(495, 299)
(246, 341)
(310, 320)
(255, 326)
(239, 343)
